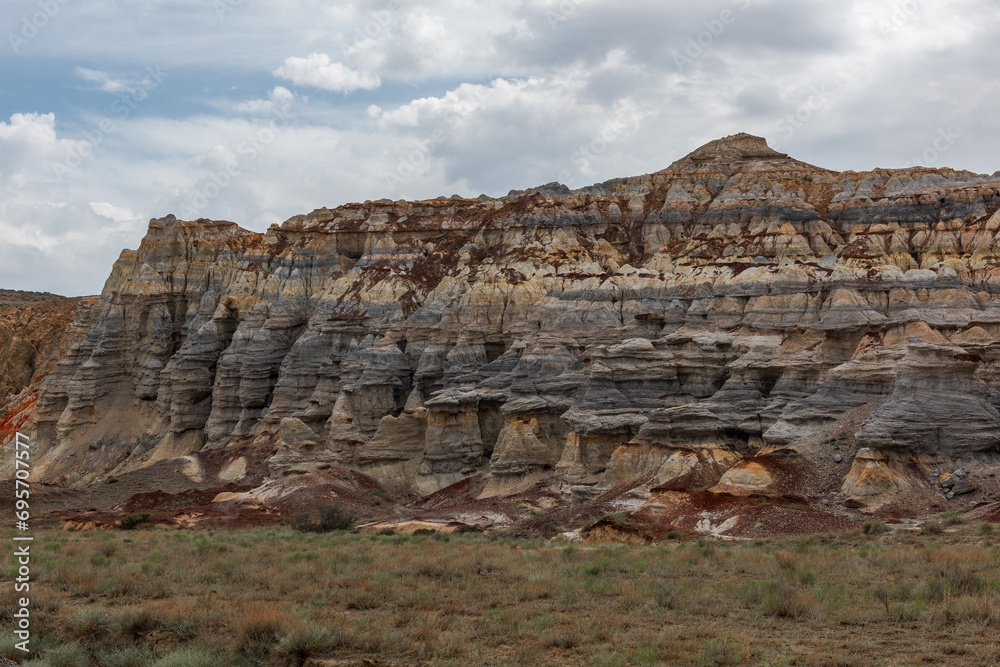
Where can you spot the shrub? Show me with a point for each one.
(716, 652)
(666, 595)
(883, 596)
(363, 599)
(188, 657)
(8, 643)
(567, 636)
(88, 624)
(874, 528)
(617, 519)
(124, 656)
(136, 622)
(299, 645)
(931, 528)
(296, 556)
(258, 631)
(331, 518)
(786, 602)
(133, 521)
(70, 655)
(808, 577)
(597, 586)
(979, 609)
(203, 545)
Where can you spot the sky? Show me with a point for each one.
(113, 112)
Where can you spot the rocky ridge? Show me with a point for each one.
(712, 329)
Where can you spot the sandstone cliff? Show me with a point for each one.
(672, 331)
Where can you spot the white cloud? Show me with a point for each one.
(108, 210)
(54, 238)
(458, 104)
(29, 146)
(103, 80)
(277, 99)
(112, 84)
(317, 71)
(29, 126)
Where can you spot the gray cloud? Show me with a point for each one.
(473, 99)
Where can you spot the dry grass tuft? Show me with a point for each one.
(258, 630)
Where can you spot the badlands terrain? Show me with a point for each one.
(741, 345)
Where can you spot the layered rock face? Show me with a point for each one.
(34, 336)
(36, 331)
(663, 329)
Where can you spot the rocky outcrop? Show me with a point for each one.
(876, 473)
(656, 331)
(937, 406)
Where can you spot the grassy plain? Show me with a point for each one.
(168, 598)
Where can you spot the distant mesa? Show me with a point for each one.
(736, 146)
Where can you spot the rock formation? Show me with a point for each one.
(671, 330)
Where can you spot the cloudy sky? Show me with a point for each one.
(116, 111)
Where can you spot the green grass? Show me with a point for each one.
(281, 596)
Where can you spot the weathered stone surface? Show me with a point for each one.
(875, 474)
(653, 330)
(937, 406)
(957, 483)
(300, 450)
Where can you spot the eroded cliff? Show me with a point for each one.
(668, 332)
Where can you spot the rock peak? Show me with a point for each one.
(738, 146)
